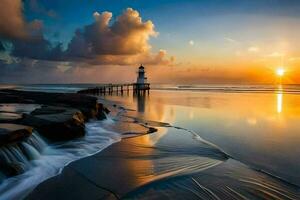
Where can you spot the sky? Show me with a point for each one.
(178, 41)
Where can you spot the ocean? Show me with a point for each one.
(256, 125)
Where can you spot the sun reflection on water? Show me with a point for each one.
(279, 100)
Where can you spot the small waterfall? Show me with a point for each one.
(33, 160)
(15, 158)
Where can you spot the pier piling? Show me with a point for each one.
(117, 88)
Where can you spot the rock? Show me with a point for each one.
(10, 169)
(56, 123)
(101, 111)
(10, 133)
(152, 130)
(9, 117)
(86, 104)
(63, 115)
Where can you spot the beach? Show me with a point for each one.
(186, 145)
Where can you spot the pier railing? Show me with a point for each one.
(116, 88)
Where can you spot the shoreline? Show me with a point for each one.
(148, 158)
(127, 169)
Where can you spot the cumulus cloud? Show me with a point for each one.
(128, 35)
(12, 24)
(124, 41)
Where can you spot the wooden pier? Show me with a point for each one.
(117, 88)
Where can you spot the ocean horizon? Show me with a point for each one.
(234, 88)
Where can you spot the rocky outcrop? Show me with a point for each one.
(10, 133)
(56, 123)
(62, 115)
(86, 104)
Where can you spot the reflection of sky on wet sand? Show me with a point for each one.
(256, 128)
(260, 129)
(279, 101)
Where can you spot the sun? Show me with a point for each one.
(280, 71)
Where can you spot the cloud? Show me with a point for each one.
(275, 54)
(124, 41)
(191, 42)
(28, 71)
(159, 58)
(12, 23)
(128, 35)
(253, 49)
(231, 40)
(35, 46)
(292, 59)
(95, 48)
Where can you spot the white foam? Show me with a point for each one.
(53, 159)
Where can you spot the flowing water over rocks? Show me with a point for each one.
(39, 161)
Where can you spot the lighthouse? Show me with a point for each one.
(141, 79)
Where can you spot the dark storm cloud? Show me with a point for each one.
(36, 46)
(39, 48)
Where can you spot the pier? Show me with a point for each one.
(117, 89)
(141, 86)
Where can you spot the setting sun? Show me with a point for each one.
(280, 71)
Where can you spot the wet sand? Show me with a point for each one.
(170, 163)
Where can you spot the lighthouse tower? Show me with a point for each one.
(141, 79)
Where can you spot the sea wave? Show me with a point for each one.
(50, 159)
(289, 89)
